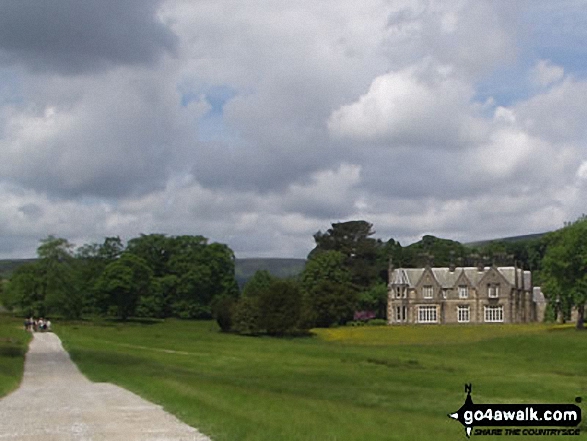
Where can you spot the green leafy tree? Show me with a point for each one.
(246, 318)
(257, 284)
(3, 300)
(564, 268)
(374, 299)
(352, 240)
(332, 303)
(25, 291)
(281, 307)
(57, 273)
(328, 265)
(390, 250)
(159, 302)
(188, 274)
(434, 251)
(89, 263)
(330, 292)
(123, 282)
(223, 312)
(154, 249)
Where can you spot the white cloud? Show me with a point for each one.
(107, 135)
(423, 104)
(337, 110)
(545, 73)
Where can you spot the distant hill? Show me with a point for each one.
(510, 239)
(245, 268)
(7, 266)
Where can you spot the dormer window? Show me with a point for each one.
(493, 290)
(428, 291)
(463, 292)
(401, 292)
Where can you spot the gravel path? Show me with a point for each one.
(55, 402)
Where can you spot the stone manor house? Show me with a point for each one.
(463, 295)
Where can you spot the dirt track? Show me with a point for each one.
(55, 402)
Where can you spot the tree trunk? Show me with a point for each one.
(581, 316)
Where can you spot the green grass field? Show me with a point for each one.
(13, 345)
(371, 383)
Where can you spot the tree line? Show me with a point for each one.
(344, 279)
(346, 273)
(152, 276)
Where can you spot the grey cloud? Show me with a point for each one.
(32, 211)
(75, 36)
(123, 134)
(117, 152)
(17, 246)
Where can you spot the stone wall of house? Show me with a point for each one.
(492, 290)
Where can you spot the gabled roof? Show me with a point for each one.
(400, 277)
(447, 278)
(509, 273)
(474, 275)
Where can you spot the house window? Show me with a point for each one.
(401, 313)
(493, 289)
(427, 314)
(494, 314)
(428, 291)
(463, 314)
(401, 292)
(463, 292)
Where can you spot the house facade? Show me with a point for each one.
(462, 295)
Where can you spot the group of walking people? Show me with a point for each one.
(37, 325)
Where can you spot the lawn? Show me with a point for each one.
(13, 345)
(371, 383)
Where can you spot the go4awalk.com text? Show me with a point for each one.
(518, 419)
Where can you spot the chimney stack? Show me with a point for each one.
(481, 264)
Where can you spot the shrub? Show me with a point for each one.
(281, 307)
(223, 311)
(377, 322)
(333, 303)
(247, 316)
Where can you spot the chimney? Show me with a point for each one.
(389, 270)
(480, 264)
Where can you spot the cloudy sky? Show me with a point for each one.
(258, 123)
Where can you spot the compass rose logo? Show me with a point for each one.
(469, 406)
(526, 415)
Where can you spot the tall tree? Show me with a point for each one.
(25, 291)
(124, 281)
(281, 307)
(564, 268)
(352, 239)
(330, 291)
(154, 249)
(260, 281)
(90, 262)
(56, 267)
